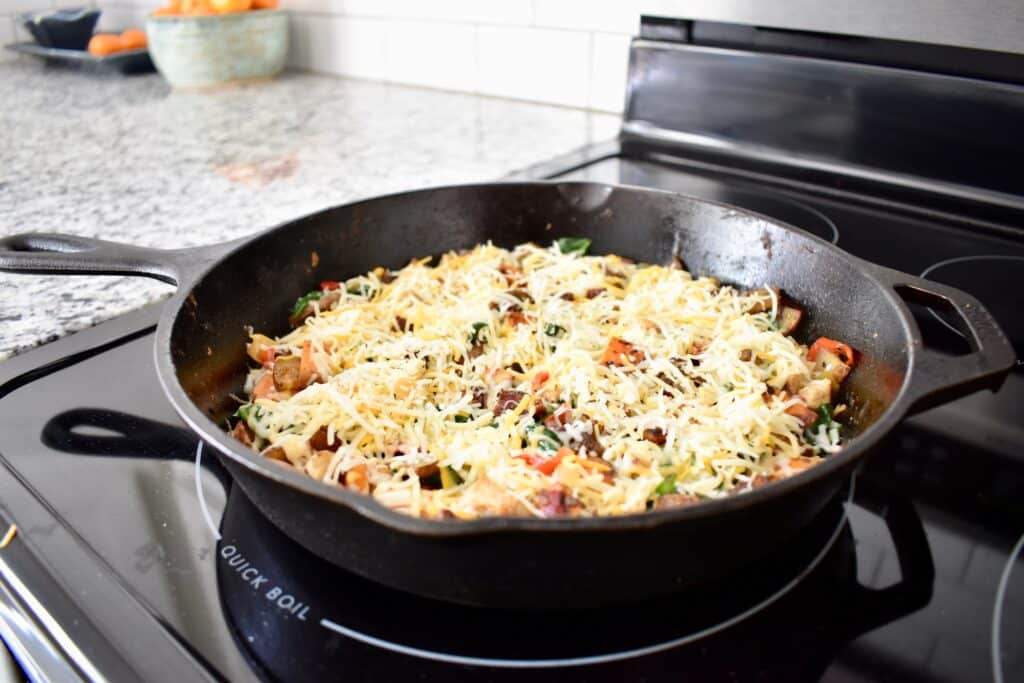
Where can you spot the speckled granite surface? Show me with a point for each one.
(127, 159)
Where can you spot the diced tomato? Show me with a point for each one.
(545, 465)
(328, 285)
(844, 352)
(267, 357)
(539, 379)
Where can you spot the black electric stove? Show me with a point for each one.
(136, 558)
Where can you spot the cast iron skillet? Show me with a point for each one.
(512, 562)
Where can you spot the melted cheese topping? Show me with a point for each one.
(410, 366)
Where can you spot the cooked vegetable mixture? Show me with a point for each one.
(544, 382)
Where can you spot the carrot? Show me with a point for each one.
(844, 352)
(306, 366)
(621, 352)
(539, 379)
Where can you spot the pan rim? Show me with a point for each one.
(369, 508)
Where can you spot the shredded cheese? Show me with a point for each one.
(490, 361)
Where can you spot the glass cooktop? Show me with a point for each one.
(136, 557)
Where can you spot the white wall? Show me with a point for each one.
(566, 52)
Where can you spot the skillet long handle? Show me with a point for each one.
(60, 254)
(937, 378)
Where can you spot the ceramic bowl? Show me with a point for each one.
(216, 49)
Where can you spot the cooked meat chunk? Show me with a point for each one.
(675, 500)
(746, 355)
(242, 432)
(832, 366)
(655, 435)
(591, 445)
(286, 373)
(356, 479)
(479, 397)
(507, 400)
(594, 292)
(816, 392)
(487, 498)
(806, 415)
(789, 318)
(319, 442)
(555, 502)
(762, 299)
(275, 453)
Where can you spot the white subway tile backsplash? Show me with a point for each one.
(583, 15)
(609, 62)
(434, 55)
(341, 45)
(566, 52)
(120, 17)
(535, 64)
(459, 11)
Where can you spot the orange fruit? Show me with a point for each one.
(133, 39)
(171, 8)
(196, 7)
(103, 44)
(225, 6)
(264, 4)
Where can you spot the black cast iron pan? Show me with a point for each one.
(513, 562)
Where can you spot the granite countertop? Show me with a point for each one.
(125, 158)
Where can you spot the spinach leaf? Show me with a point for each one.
(667, 485)
(303, 301)
(573, 245)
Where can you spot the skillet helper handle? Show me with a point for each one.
(60, 254)
(870, 608)
(937, 378)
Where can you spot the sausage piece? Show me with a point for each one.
(590, 443)
(655, 435)
(319, 442)
(507, 400)
(286, 373)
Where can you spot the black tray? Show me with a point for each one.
(126, 62)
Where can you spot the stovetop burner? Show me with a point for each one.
(342, 603)
(997, 281)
